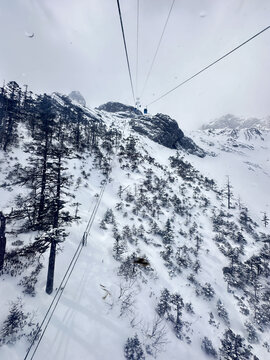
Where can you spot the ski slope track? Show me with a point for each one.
(166, 265)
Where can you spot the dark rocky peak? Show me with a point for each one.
(165, 131)
(116, 107)
(77, 97)
(159, 128)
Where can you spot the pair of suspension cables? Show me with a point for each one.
(137, 97)
(136, 101)
(42, 327)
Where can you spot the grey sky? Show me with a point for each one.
(78, 46)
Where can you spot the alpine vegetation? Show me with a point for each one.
(123, 238)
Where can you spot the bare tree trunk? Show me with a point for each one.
(8, 133)
(50, 275)
(58, 193)
(2, 239)
(229, 193)
(43, 184)
(51, 265)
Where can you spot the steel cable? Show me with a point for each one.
(126, 51)
(159, 43)
(208, 66)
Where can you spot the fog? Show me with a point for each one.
(77, 45)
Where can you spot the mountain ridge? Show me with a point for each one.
(230, 121)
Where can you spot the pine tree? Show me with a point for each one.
(127, 234)
(46, 118)
(163, 308)
(229, 192)
(182, 257)
(133, 349)
(222, 312)
(167, 235)
(10, 114)
(119, 245)
(208, 348)
(233, 347)
(59, 182)
(14, 324)
(109, 217)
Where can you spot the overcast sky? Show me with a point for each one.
(78, 46)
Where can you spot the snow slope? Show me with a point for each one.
(103, 305)
(244, 156)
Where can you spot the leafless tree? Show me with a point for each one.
(127, 297)
(155, 336)
(265, 219)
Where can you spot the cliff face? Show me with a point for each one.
(160, 128)
(116, 107)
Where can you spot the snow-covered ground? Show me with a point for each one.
(245, 158)
(90, 321)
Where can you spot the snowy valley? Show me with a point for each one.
(160, 248)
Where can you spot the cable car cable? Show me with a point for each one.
(73, 263)
(64, 281)
(53, 300)
(40, 333)
(125, 45)
(137, 47)
(208, 66)
(57, 301)
(159, 43)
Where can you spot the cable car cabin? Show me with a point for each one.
(145, 110)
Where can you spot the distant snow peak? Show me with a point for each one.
(77, 97)
(230, 121)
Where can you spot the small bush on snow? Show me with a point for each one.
(17, 325)
(208, 348)
(133, 349)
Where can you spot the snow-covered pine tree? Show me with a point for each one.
(133, 349)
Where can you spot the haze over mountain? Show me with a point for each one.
(77, 97)
(232, 122)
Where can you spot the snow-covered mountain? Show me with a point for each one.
(169, 264)
(230, 121)
(243, 154)
(77, 97)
